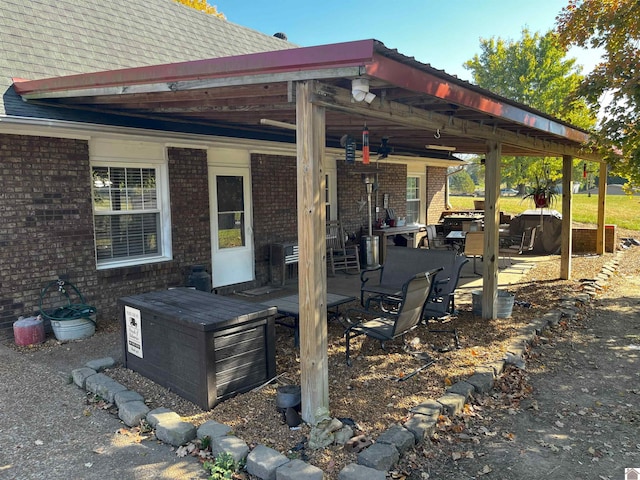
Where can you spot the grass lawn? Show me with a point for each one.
(620, 210)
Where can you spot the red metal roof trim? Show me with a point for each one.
(451, 89)
(279, 61)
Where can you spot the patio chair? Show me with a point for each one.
(435, 241)
(474, 247)
(390, 325)
(527, 243)
(339, 255)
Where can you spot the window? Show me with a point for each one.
(230, 195)
(413, 199)
(330, 189)
(127, 210)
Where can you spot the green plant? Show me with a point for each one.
(223, 467)
(544, 192)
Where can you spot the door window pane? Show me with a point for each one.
(230, 197)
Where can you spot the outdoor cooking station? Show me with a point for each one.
(204, 347)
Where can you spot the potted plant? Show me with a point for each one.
(543, 193)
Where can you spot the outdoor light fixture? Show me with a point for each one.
(276, 123)
(441, 147)
(360, 90)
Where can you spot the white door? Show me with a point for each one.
(231, 220)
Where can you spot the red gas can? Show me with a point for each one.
(28, 331)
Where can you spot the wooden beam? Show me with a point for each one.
(336, 98)
(491, 229)
(312, 266)
(602, 200)
(567, 217)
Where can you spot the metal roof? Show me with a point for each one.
(415, 104)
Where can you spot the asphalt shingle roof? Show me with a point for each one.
(49, 38)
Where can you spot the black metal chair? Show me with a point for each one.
(526, 244)
(390, 325)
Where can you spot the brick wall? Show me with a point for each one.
(46, 227)
(190, 213)
(352, 194)
(436, 201)
(583, 240)
(274, 190)
(274, 183)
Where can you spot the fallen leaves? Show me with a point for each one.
(135, 433)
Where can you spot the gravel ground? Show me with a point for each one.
(367, 393)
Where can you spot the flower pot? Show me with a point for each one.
(541, 200)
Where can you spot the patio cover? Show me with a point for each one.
(305, 93)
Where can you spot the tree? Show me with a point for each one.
(535, 71)
(611, 25)
(461, 182)
(201, 5)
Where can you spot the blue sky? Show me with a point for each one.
(443, 33)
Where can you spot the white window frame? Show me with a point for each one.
(144, 156)
(422, 197)
(331, 188)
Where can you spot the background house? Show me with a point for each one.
(120, 204)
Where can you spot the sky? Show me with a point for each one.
(442, 33)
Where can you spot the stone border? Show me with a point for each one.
(373, 462)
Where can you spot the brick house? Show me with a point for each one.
(140, 139)
(52, 159)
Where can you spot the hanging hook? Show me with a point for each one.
(437, 134)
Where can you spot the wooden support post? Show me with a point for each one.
(491, 229)
(312, 266)
(602, 196)
(567, 218)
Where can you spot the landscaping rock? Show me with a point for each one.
(132, 413)
(162, 414)
(80, 376)
(453, 403)
(380, 456)
(213, 429)
(462, 388)
(104, 386)
(298, 470)
(354, 471)
(175, 433)
(399, 437)
(421, 426)
(101, 364)
(482, 381)
(235, 447)
(263, 462)
(127, 396)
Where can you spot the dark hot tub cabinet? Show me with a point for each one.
(203, 347)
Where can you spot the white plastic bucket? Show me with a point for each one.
(73, 329)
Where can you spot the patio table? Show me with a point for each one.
(289, 307)
(456, 239)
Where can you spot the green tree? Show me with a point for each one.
(613, 26)
(535, 71)
(461, 182)
(203, 6)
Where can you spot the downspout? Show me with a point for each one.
(447, 204)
